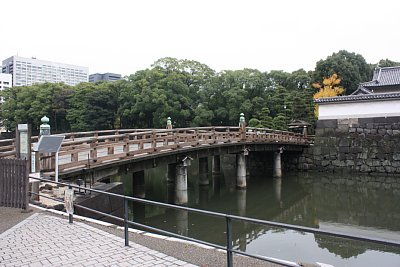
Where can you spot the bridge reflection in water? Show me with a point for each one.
(354, 204)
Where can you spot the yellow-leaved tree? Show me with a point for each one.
(329, 88)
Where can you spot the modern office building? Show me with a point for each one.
(109, 77)
(28, 71)
(5, 82)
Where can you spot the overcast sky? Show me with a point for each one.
(126, 36)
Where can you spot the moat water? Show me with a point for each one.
(359, 205)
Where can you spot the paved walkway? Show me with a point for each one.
(43, 240)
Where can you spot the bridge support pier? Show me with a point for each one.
(138, 184)
(278, 164)
(171, 172)
(241, 170)
(216, 165)
(181, 196)
(203, 171)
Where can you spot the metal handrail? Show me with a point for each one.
(228, 217)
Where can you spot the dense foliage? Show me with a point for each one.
(191, 93)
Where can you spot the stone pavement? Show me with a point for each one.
(43, 240)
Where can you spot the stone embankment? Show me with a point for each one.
(370, 145)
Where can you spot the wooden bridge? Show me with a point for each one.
(99, 149)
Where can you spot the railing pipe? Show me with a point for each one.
(70, 215)
(126, 219)
(229, 246)
(229, 256)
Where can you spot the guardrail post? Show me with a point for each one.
(70, 215)
(126, 233)
(229, 254)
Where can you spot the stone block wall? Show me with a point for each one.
(366, 145)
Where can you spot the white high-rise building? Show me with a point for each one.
(28, 71)
(5, 82)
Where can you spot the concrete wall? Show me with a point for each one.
(361, 109)
(366, 145)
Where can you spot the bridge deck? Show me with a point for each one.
(96, 149)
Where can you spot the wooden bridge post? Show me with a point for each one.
(169, 123)
(242, 126)
(167, 137)
(44, 129)
(74, 155)
(126, 144)
(154, 140)
(203, 171)
(110, 149)
(241, 170)
(93, 149)
(181, 196)
(278, 163)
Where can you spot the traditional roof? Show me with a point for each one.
(359, 97)
(383, 77)
(298, 123)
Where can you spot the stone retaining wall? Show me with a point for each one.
(366, 145)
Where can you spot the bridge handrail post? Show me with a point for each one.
(154, 140)
(74, 155)
(93, 149)
(126, 143)
(242, 127)
(110, 149)
(176, 138)
(213, 137)
(197, 135)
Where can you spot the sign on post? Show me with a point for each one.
(51, 144)
(23, 141)
(69, 201)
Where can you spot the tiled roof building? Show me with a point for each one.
(385, 84)
(385, 80)
(377, 98)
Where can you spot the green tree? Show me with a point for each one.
(265, 118)
(27, 104)
(280, 122)
(383, 63)
(351, 67)
(253, 122)
(93, 107)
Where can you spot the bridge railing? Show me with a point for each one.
(88, 149)
(7, 146)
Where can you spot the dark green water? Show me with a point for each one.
(361, 205)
